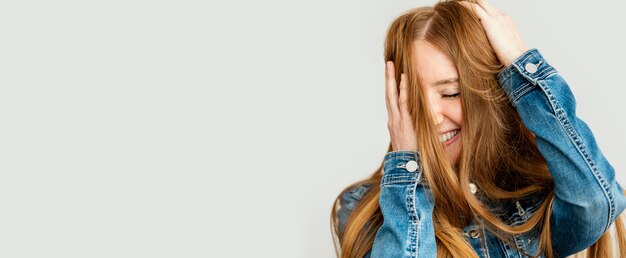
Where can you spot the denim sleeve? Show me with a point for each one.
(587, 197)
(406, 206)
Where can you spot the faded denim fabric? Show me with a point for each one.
(587, 197)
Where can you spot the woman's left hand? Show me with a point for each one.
(500, 30)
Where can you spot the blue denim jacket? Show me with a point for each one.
(587, 197)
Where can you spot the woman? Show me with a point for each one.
(487, 157)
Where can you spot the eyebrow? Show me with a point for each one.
(446, 81)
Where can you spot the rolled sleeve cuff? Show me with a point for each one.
(401, 168)
(522, 75)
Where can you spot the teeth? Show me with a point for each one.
(447, 136)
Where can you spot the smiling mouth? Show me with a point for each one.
(449, 135)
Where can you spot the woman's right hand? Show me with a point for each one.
(500, 29)
(400, 124)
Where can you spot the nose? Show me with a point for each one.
(437, 111)
(438, 117)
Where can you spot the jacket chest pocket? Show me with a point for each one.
(519, 214)
(528, 242)
(476, 237)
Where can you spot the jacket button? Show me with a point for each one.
(531, 68)
(411, 166)
(473, 188)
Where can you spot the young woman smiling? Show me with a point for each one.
(487, 156)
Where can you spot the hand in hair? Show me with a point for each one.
(500, 30)
(400, 124)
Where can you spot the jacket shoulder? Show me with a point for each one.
(348, 201)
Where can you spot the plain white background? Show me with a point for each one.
(226, 128)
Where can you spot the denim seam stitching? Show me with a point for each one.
(582, 149)
(400, 157)
(520, 92)
(505, 247)
(485, 244)
(414, 222)
(507, 74)
(517, 244)
(396, 181)
(516, 94)
(393, 183)
(398, 177)
(393, 179)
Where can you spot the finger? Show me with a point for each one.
(387, 90)
(482, 14)
(392, 91)
(404, 96)
(490, 9)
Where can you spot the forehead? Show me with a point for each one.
(432, 65)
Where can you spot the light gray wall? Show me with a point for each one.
(226, 128)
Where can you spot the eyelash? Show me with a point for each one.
(450, 96)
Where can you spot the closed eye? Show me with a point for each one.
(450, 96)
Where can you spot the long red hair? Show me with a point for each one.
(499, 154)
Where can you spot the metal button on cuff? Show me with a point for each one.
(411, 166)
(532, 68)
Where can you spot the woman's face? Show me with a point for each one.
(439, 79)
